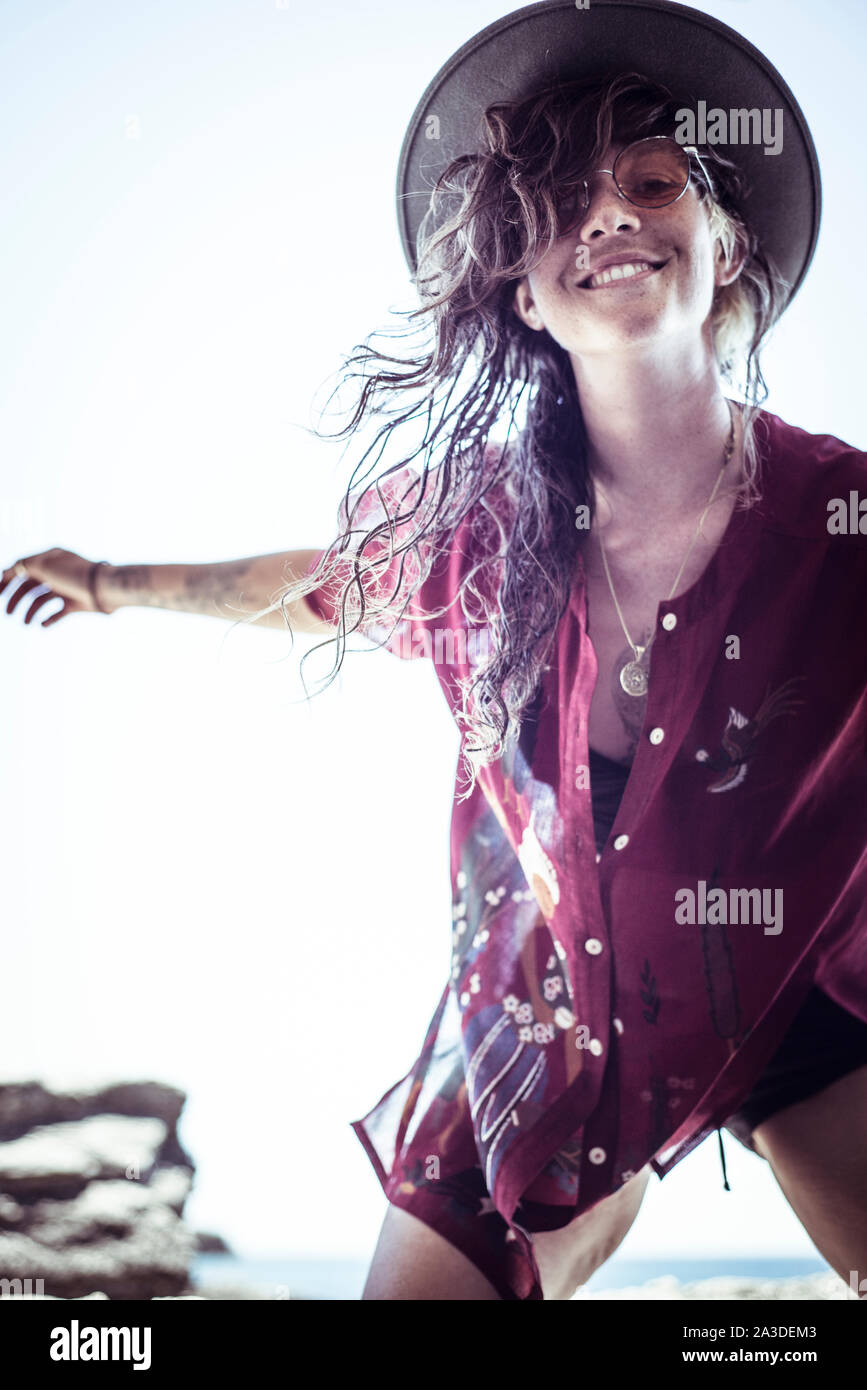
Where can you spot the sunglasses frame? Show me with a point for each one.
(642, 140)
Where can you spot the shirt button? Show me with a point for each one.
(669, 621)
(656, 735)
(618, 1024)
(621, 842)
(592, 946)
(595, 1047)
(597, 1155)
(598, 856)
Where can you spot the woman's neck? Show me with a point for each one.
(656, 438)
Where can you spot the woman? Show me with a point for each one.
(659, 821)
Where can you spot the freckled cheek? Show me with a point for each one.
(695, 277)
(553, 300)
(549, 281)
(561, 315)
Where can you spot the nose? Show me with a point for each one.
(607, 210)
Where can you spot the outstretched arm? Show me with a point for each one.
(223, 590)
(228, 589)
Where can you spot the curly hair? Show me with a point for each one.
(477, 367)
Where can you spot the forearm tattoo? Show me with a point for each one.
(192, 588)
(205, 586)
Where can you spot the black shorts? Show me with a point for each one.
(824, 1042)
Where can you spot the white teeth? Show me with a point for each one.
(618, 272)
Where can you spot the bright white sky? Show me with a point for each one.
(205, 883)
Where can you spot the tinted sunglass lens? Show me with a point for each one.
(652, 173)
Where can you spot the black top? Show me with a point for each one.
(607, 785)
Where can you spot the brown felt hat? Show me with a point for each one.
(703, 62)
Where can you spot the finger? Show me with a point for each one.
(68, 607)
(39, 603)
(11, 573)
(21, 592)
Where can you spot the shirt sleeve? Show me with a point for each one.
(425, 616)
(391, 582)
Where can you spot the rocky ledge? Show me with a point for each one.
(92, 1190)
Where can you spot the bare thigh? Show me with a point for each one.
(817, 1150)
(567, 1258)
(413, 1261)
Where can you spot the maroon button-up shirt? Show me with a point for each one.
(604, 1014)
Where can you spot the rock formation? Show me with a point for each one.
(92, 1190)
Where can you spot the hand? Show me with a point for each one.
(66, 575)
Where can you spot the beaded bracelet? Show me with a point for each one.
(91, 583)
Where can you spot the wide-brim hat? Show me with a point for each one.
(697, 57)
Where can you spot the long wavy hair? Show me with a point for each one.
(472, 366)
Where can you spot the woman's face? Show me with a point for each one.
(670, 297)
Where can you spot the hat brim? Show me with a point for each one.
(696, 56)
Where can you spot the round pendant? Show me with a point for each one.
(633, 678)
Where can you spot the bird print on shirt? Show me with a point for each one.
(740, 737)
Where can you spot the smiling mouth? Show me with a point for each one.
(616, 274)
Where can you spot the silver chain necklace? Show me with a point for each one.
(633, 676)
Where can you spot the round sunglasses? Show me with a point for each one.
(652, 172)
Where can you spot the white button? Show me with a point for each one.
(656, 735)
(597, 1155)
(669, 621)
(595, 1047)
(598, 857)
(618, 1024)
(592, 946)
(621, 842)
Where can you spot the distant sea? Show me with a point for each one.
(344, 1279)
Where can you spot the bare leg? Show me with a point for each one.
(412, 1261)
(567, 1258)
(817, 1150)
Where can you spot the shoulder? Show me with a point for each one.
(485, 473)
(809, 480)
(382, 499)
(434, 530)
